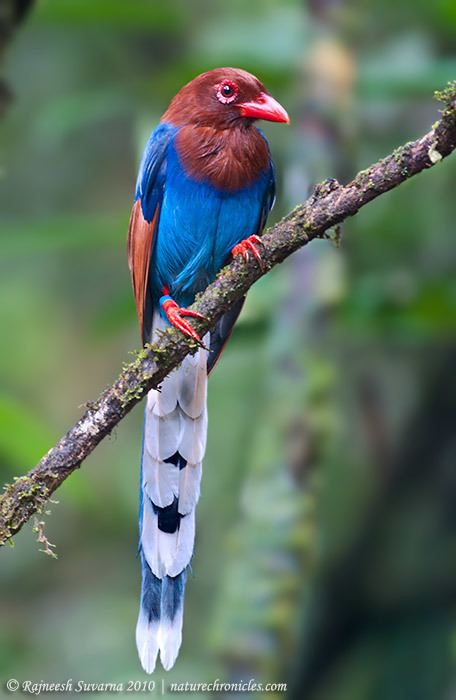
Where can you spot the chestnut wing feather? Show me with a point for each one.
(145, 216)
(139, 247)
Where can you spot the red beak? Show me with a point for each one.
(264, 107)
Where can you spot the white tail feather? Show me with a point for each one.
(166, 399)
(163, 434)
(149, 539)
(167, 553)
(189, 487)
(160, 480)
(168, 549)
(170, 639)
(147, 642)
(192, 387)
(176, 422)
(193, 437)
(183, 545)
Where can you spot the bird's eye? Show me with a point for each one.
(227, 92)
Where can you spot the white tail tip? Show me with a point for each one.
(169, 640)
(147, 643)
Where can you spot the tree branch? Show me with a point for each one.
(329, 205)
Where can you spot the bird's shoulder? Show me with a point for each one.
(227, 159)
(154, 158)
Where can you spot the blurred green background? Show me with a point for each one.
(326, 537)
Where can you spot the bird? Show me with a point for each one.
(205, 187)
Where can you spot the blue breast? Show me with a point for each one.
(198, 227)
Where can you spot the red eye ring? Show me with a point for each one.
(227, 91)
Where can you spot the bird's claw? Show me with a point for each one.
(247, 246)
(175, 315)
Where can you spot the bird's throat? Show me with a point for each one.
(229, 159)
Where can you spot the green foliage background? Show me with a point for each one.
(314, 404)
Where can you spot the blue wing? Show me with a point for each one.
(144, 219)
(152, 171)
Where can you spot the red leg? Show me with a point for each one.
(247, 246)
(175, 315)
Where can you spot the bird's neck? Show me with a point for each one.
(228, 159)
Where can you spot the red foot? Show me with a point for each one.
(247, 246)
(175, 314)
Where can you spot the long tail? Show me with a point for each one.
(173, 448)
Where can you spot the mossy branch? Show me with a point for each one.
(329, 205)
